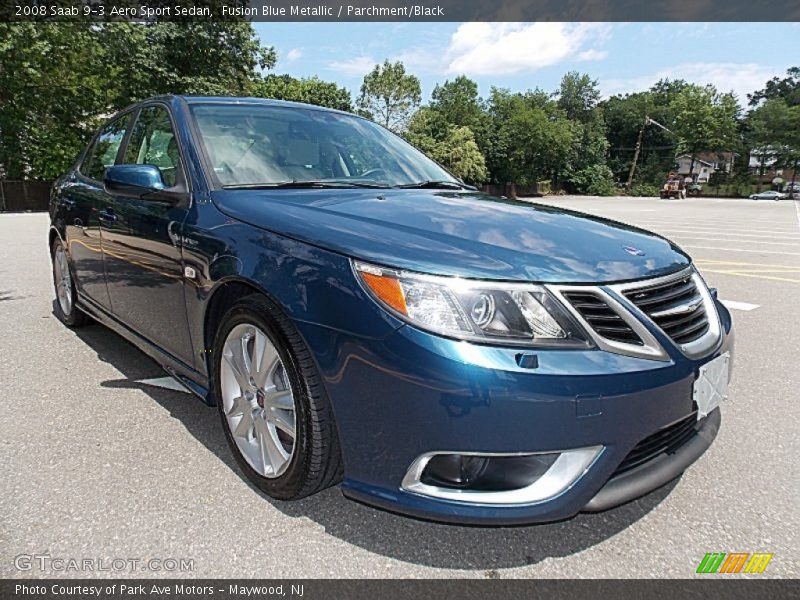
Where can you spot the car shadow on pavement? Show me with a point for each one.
(430, 544)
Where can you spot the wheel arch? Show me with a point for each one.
(224, 294)
(53, 235)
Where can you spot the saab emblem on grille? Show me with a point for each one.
(633, 251)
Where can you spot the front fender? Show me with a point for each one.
(310, 284)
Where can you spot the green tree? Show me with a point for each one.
(58, 80)
(428, 122)
(595, 180)
(310, 90)
(220, 58)
(704, 120)
(624, 120)
(531, 139)
(451, 146)
(51, 94)
(458, 102)
(578, 98)
(389, 95)
(462, 157)
(774, 132)
(786, 88)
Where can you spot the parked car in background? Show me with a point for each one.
(769, 195)
(792, 188)
(694, 189)
(357, 314)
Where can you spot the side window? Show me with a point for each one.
(103, 152)
(153, 142)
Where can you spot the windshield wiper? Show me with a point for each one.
(433, 183)
(303, 183)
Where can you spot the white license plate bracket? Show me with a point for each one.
(711, 385)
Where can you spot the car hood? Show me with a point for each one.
(465, 234)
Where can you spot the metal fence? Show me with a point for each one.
(18, 196)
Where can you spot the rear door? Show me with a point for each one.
(141, 241)
(82, 203)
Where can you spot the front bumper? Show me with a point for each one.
(412, 393)
(658, 471)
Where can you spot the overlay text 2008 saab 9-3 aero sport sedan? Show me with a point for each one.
(357, 314)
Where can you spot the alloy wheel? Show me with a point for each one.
(257, 400)
(63, 280)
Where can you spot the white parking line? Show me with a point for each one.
(679, 236)
(735, 305)
(678, 232)
(740, 250)
(719, 227)
(797, 211)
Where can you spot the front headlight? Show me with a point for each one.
(488, 312)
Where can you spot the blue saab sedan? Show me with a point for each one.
(359, 315)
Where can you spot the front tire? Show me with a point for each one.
(274, 410)
(66, 294)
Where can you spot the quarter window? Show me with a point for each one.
(153, 142)
(103, 152)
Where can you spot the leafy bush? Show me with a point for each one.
(594, 180)
(644, 189)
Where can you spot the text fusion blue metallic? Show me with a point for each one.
(361, 316)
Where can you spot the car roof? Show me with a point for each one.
(239, 100)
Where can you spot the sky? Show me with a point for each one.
(623, 57)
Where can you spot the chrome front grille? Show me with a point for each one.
(676, 306)
(602, 318)
(615, 315)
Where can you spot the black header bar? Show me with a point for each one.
(403, 10)
(727, 588)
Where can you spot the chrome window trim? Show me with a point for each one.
(651, 349)
(566, 476)
(703, 345)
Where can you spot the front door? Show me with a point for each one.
(141, 242)
(83, 201)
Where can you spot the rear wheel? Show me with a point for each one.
(66, 294)
(274, 410)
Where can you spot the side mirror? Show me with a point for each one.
(133, 180)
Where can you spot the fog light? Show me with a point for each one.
(486, 473)
(498, 478)
(454, 470)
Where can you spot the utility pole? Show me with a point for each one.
(636, 153)
(647, 121)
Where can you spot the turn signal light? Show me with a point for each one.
(386, 289)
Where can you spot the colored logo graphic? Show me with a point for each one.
(734, 562)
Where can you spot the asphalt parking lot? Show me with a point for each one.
(96, 464)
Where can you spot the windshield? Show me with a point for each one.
(251, 144)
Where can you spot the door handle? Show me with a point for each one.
(107, 216)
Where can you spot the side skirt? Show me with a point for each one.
(194, 381)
